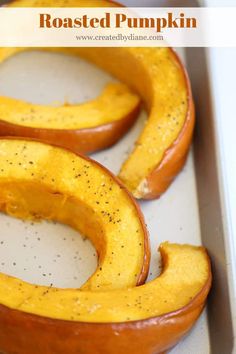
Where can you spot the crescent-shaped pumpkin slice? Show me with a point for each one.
(86, 127)
(148, 319)
(39, 181)
(158, 75)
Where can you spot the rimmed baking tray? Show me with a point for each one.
(191, 211)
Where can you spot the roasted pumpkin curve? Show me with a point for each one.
(158, 75)
(150, 318)
(86, 127)
(39, 181)
(184, 276)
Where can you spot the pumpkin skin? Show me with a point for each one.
(28, 333)
(159, 77)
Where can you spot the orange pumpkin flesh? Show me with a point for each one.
(116, 100)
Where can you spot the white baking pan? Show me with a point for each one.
(191, 211)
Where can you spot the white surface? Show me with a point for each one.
(44, 77)
(223, 76)
(223, 83)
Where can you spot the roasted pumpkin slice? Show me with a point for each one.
(87, 127)
(148, 319)
(159, 77)
(39, 181)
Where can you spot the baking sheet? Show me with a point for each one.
(48, 253)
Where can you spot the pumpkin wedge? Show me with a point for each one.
(87, 127)
(160, 79)
(39, 181)
(158, 75)
(148, 319)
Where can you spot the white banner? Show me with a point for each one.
(115, 27)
